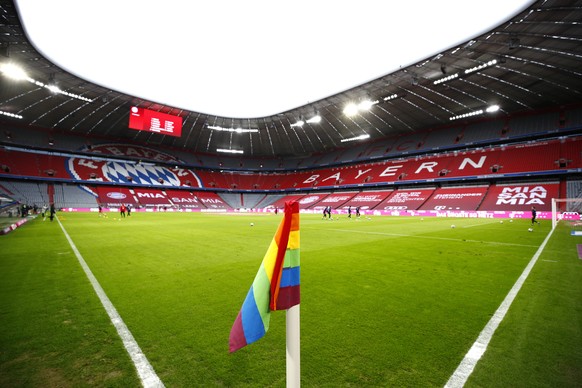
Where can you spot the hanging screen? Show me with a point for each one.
(148, 120)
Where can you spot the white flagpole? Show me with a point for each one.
(293, 348)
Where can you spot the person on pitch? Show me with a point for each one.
(534, 215)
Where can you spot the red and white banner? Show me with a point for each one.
(280, 203)
(455, 198)
(183, 198)
(130, 172)
(334, 200)
(151, 197)
(521, 197)
(367, 199)
(310, 200)
(113, 196)
(405, 200)
(212, 201)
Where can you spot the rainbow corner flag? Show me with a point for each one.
(276, 285)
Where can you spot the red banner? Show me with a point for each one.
(521, 197)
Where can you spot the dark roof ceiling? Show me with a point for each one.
(539, 64)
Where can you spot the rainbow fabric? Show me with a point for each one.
(276, 285)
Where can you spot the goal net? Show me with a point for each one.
(567, 209)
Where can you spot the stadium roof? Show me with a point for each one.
(529, 61)
(238, 68)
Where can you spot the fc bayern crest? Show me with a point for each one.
(130, 172)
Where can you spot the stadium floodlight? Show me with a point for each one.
(13, 115)
(17, 73)
(485, 65)
(229, 151)
(235, 130)
(473, 69)
(492, 109)
(361, 137)
(299, 123)
(366, 104)
(13, 71)
(489, 109)
(351, 109)
(468, 114)
(314, 119)
(54, 88)
(445, 79)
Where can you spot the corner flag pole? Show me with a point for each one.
(293, 347)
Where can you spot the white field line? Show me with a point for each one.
(430, 237)
(484, 223)
(467, 365)
(145, 371)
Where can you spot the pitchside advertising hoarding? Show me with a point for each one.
(149, 120)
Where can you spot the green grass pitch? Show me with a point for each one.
(386, 301)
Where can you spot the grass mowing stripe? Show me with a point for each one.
(467, 365)
(146, 372)
(431, 237)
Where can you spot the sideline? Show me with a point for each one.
(145, 371)
(467, 365)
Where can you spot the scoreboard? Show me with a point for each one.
(143, 119)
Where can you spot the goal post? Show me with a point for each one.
(566, 209)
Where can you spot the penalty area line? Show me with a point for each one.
(427, 237)
(145, 371)
(484, 223)
(467, 365)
